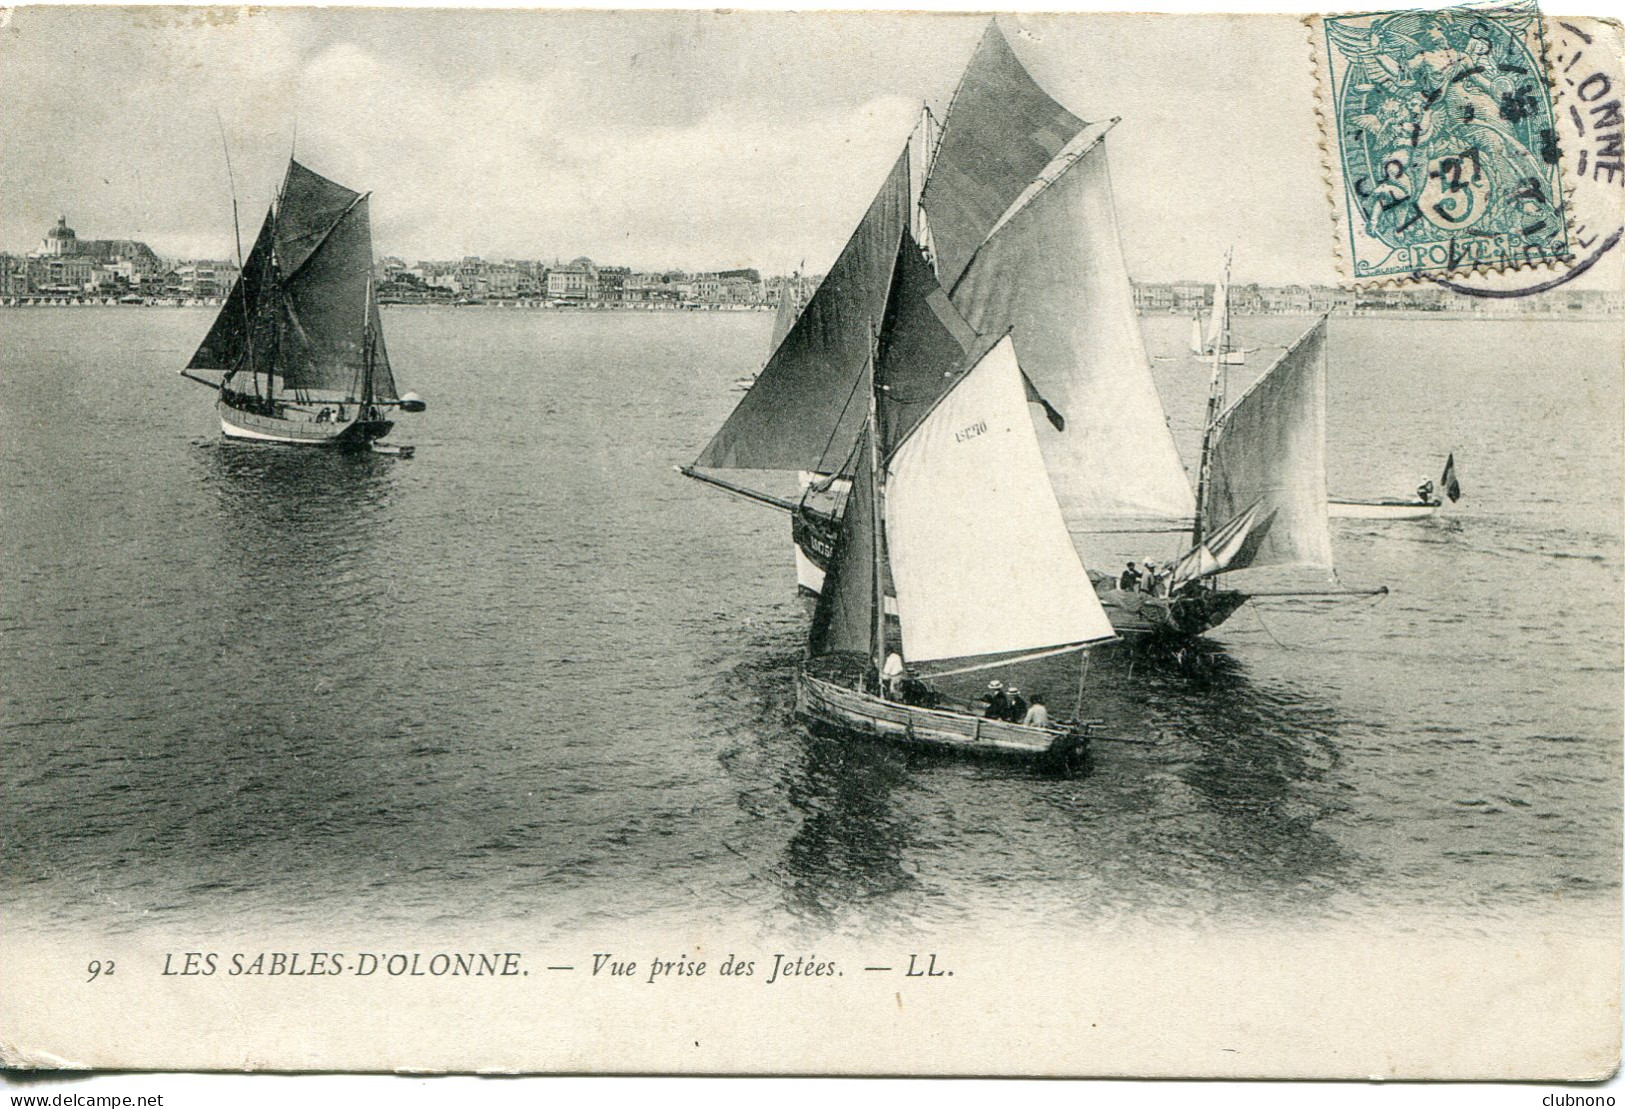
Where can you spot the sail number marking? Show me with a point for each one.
(971, 432)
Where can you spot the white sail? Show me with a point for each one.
(1232, 546)
(1196, 334)
(1270, 448)
(784, 317)
(980, 555)
(1216, 318)
(1054, 272)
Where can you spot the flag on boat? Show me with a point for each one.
(1056, 420)
(1447, 480)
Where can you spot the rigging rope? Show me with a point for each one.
(1259, 616)
(830, 442)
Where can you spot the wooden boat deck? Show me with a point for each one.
(829, 702)
(238, 423)
(1193, 611)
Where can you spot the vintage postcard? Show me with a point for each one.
(852, 543)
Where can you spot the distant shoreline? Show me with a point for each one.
(709, 309)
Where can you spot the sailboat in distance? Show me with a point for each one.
(298, 345)
(1009, 587)
(784, 318)
(1203, 341)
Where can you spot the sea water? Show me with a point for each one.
(530, 676)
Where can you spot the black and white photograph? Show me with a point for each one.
(812, 543)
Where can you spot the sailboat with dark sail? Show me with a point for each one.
(1016, 216)
(298, 345)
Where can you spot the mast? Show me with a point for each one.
(366, 349)
(1215, 407)
(237, 235)
(928, 138)
(878, 636)
(276, 267)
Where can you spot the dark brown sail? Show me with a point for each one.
(1001, 131)
(843, 622)
(808, 397)
(244, 334)
(324, 259)
(922, 344)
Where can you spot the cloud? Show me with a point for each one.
(503, 166)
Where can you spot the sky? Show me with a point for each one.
(653, 139)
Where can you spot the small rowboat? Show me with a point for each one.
(1422, 505)
(1386, 508)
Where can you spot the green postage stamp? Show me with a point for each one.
(1441, 143)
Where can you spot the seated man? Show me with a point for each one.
(1129, 580)
(997, 704)
(1037, 716)
(1018, 706)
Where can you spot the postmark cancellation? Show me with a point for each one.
(1440, 141)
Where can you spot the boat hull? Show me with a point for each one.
(1137, 615)
(237, 423)
(1134, 615)
(821, 701)
(1382, 509)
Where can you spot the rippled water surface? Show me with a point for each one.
(533, 676)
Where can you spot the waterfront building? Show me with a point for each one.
(205, 278)
(501, 281)
(65, 263)
(62, 274)
(575, 281)
(14, 276)
(612, 284)
(1189, 297)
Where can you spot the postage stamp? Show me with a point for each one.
(1441, 141)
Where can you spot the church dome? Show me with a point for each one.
(61, 230)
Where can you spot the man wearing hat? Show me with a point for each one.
(1148, 582)
(1017, 711)
(997, 703)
